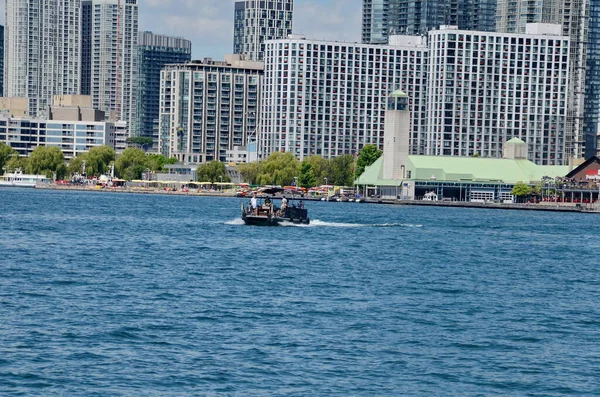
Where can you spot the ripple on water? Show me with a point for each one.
(166, 295)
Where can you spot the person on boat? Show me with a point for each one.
(254, 204)
(301, 205)
(283, 206)
(267, 201)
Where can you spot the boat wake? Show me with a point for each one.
(318, 223)
(235, 222)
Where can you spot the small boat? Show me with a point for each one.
(267, 214)
(18, 179)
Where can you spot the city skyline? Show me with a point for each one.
(209, 24)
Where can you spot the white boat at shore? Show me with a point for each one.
(18, 179)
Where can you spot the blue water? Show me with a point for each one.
(138, 295)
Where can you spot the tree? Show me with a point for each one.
(278, 169)
(156, 162)
(76, 164)
(62, 171)
(98, 160)
(143, 141)
(131, 164)
(368, 155)
(213, 171)
(6, 153)
(306, 178)
(16, 162)
(250, 172)
(342, 170)
(521, 190)
(320, 168)
(45, 160)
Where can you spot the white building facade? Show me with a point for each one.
(486, 88)
(113, 35)
(329, 98)
(71, 137)
(256, 21)
(42, 50)
(208, 107)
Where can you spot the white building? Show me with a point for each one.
(72, 137)
(112, 27)
(258, 21)
(42, 50)
(208, 107)
(513, 16)
(329, 98)
(486, 88)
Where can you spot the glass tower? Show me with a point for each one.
(384, 17)
(155, 52)
(592, 85)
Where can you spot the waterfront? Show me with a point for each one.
(134, 294)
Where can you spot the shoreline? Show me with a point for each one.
(552, 207)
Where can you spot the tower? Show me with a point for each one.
(258, 21)
(112, 30)
(396, 136)
(42, 50)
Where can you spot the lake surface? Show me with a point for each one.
(142, 295)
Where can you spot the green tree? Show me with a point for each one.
(98, 159)
(16, 162)
(6, 153)
(368, 155)
(131, 164)
(144, 142)
(45, 160)
(521, 190)
(213, 171)
(307, 177)
(62, 171)
(320, 168)
(156, 162)
(76, 164)
(342, 170)
(250, 172)
(278, 169)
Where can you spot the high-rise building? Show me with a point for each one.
(329, 98)
(207, 108)
(86, 47)
(382, 18)
(112, 30)
(154, 52)
(512, 17)
(1, 58)
(592, 86)
(257, 21)
(486, 88)
(469, 93)
(42, 52)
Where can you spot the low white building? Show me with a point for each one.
(71, 137)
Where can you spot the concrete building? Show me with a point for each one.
(42, 50)
(258, 21)
(73, 137)
(109, 47)
(592, 83)
(154, 52)
(382, 18)
(513, 17)
(487, 88)
(15, 107)
(208, 107)
(328, 98)
(1, 59)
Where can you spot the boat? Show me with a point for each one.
(19, 179)
(267, 214)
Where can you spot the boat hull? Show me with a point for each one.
(260, 220)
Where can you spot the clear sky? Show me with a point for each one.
(209, 23)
